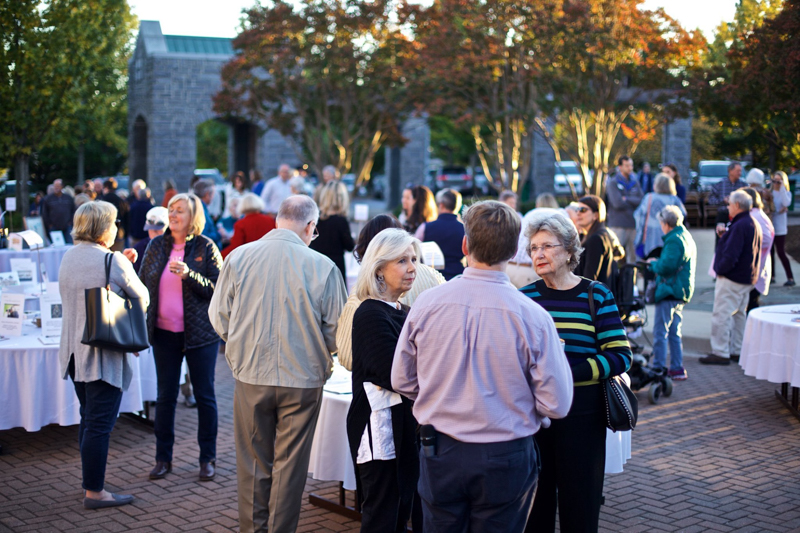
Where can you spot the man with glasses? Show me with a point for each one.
(276, 305)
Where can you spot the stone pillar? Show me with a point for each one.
(273, 150)
(414, 155)
(543, 169)
(676, 146)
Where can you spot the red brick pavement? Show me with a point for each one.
(720, 455)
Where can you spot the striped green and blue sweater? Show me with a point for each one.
(570, 312)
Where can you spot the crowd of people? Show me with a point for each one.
(477, 383)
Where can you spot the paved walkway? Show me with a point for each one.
(720, 455)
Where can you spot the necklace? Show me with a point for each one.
(179, 248)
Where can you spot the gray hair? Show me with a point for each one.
(546, 199)
(732, 165)
(297, 183)
(755, 176)
(203, 187)
(560, 227)
(385, 247)
(742, 199)
(450, 199)
(250, 203)
(663, 184)
(671, 216)
(93, 221)
(298, 208)
(505, 195)
(138, 183)
(144, 193)
(330, 169)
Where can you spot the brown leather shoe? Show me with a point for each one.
(161, 470)
(712, 359)
(207, 471)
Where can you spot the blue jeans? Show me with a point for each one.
(168, 352)
(99, 409)
(667, 329)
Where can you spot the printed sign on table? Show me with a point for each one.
(57, 238)
(11, 204)
(8, 279)
(361, 212)
(25, 269)
(52, 314)
(11, 307)
(432, 255)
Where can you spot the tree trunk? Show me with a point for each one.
(81, 161)
(22, 174)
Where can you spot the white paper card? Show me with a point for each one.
(33, 239)
(432, 255)
(51, 286)
(8, 279)
(15, 242)
(25, 269)
(11, 307)
(57, 238)
(52, 314)
(11, 204)
(380, 398)
(361, 212)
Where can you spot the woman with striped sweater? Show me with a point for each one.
(573, 449)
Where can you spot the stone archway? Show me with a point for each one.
(138, 159)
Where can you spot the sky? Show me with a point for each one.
(212, 18)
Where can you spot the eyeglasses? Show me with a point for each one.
(546, 247)
(582, 209)
(316, 231)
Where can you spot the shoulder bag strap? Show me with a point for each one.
(109, 259)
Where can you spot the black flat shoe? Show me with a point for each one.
(207, 471)
(161, 470)
(119, 499)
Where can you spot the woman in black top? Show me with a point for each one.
(601, 246)
(423, 209)
(334, 229)
(380, 426)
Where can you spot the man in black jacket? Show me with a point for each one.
(110, 195)
(57, 211)
(736, 264)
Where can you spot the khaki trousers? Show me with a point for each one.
(521, 275)
(273, 430)
(728, 317)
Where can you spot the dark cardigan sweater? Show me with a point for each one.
(376, 328)
(597, 260)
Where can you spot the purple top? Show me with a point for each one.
(481, 360)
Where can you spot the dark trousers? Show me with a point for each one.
(779, 244)
(573, 452)
(383, 508)
(478, 487)
(168, 353)
(99, 409)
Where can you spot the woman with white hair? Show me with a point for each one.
(649, 236)
(573, 449)
(380, 425)
(252, 226)
(334, 229)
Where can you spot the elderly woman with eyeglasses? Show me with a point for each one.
(381, 428)
(573, 448)
(99, 376)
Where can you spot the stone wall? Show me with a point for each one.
(676, 146)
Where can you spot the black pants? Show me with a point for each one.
(478, 487)
(573, 452)
(383, 508)
(779, 244)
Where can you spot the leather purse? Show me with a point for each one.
(622, 406)
(114, 322)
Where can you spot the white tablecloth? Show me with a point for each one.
(51, 257)
(330, 451)
(33, 393)
(771, 346)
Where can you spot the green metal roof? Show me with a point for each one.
(198, 45)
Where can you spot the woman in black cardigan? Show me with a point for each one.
(380, 426)
(334, 229)
(601, 246)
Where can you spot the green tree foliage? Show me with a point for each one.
(212, 145)
(58, 54)
(329, 75)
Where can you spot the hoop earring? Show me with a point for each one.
(381, 285)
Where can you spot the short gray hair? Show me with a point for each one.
(298, 208)
(93, 221)
(250, 203)
(384, 248)
(506, 194)
(663, 184)
(330, 169)
(732, 165)
(560, 227)
(742, 199)
(144, 193)
(203, 187)
(671, 216)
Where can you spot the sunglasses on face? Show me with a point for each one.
(582, 210)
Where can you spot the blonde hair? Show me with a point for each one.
(251, 203)
(385, 247)
(782, 175)
(333, 200)
(197, 218)
(93, 221)
(663, 184)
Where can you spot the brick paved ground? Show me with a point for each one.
(720, 455)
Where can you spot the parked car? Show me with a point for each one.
(568, 170)
(711, 172)
(457, 178)
(482, 185)
(380, 186)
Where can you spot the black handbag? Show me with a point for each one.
(622, 406)
(114, 322)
